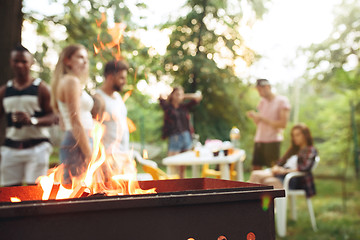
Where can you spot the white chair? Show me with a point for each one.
(281, 203)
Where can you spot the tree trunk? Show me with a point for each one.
(11, 18)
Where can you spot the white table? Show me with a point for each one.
(206, 157)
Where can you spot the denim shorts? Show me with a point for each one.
(71, 157)
(180, 142)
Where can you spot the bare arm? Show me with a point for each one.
(278, 170)
(71, 96)
(99, 107)
(254, 116)
(281, 123)
(193, 96)
(44, 101)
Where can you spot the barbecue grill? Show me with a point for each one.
(200, 209)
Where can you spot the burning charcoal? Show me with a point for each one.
(86, 193)
(54, 190)
(78, 191)
(97, 195)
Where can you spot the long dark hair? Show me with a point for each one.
(171, 96)
(294, 149)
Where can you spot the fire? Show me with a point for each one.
(103, 19)
(15, 199)
(145, 154)
(131, 125)
(127, 95)
(108, 174)
(116, 34)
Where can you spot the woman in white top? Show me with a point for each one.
(74, 106)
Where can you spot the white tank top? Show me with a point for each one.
(116, 136)
(86, 104)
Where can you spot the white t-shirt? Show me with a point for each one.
(291, 163)
(116, 136)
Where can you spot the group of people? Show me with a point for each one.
(270, 120)
(30, 107)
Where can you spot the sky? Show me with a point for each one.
(288, 25)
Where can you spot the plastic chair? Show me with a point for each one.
(281, 203)
(152, 168)
(209, 172)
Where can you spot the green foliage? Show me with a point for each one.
(342, 46)
(146, 116)
(200, 57)
(334, 71)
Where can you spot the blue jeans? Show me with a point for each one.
(180, 142)
(71, 157)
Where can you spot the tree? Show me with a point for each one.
(87, 22)
(10, 32)
(334, 70)
(204, 46)
(11, 15)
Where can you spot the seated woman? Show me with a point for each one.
(304, 153)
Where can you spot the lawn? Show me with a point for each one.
(337, 217)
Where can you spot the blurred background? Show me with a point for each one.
(308, 49)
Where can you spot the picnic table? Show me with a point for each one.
(206, 156)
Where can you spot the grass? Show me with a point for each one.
(337, 217)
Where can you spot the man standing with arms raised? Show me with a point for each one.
(26, 103)
(270, 120)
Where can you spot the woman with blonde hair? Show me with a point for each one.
(74, 105)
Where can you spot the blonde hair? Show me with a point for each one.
(61, 70)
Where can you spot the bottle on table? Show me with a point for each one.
(235, 137)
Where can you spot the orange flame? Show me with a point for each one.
(103, 19)
(116, 33)
(145, 154)
(15, 199)
(127, 95)
(131, 125)
(113, 174)
(96, 49)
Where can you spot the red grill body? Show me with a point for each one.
(202, 209)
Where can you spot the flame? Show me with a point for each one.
(109, 174)
(15, 199)
(131, 125)
(103, 19)
(145, 154)
(127, 95)
(96, 49)
(116, 33)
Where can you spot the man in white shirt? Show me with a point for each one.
(108, 103)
